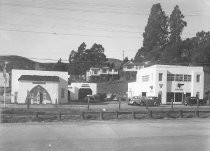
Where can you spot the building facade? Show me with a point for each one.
(40, 87)
(101, 74)
(168, 82)
(78, 91)
(131, 66)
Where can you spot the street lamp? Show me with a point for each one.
(5, 81)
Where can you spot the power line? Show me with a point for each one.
(80, 35)
(74, 27)
(66, 34)
(86, 11)
(67, 9)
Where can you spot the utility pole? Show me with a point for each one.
(5, 82)
(123, 55)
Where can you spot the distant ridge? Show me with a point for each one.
(117, 62)
(19, 62)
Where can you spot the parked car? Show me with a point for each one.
(92, 98)
(150, 101)
(135, 100)
(193, 101)
(143, 101)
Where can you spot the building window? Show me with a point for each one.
(178, 77)
(95, 72)
(144, 94)
(103, 70)
(198, 78)
(130, 66)
(160, 76)
(198, 95)
(145, 78)
(170, 77)
(62, 93)
(187, 78)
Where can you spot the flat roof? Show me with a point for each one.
(173, 66)
(38, 78)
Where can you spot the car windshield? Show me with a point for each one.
(135, 97)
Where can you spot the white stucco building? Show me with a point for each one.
(39, 86)
(168, 82)
(80, 90)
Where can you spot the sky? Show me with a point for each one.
(46, 30)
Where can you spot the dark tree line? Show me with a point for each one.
(162, 40)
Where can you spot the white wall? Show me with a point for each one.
(133, 89)
(16, 74)
(63, 84)
(74, 89)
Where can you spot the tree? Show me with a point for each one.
(125, 60)
(176, 24)
(140, 55)
(202, 38)
(202, 55)
(82, 59)
(171, 53)
(156, 30)
(96, 55)
(59, 66)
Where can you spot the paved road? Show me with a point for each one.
(145, 135)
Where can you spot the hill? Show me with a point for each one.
(19, 62)
(16, 62)
(117, 62)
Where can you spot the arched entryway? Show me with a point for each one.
(83, 92)
(39, 95)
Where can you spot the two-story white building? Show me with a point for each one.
(168, 82)
(100, 73)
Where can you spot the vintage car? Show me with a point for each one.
(193, 101)
(135, 100)
(143, 101)
(150, 101)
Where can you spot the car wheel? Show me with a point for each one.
(156, 104)
(134, 103)
(141, 104)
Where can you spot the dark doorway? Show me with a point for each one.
(69, 95)
(170, 95)
(41, 97)
(83, 92)
(178, 97)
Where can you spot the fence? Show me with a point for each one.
(89, 115)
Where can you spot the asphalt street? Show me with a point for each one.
(138, 135)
